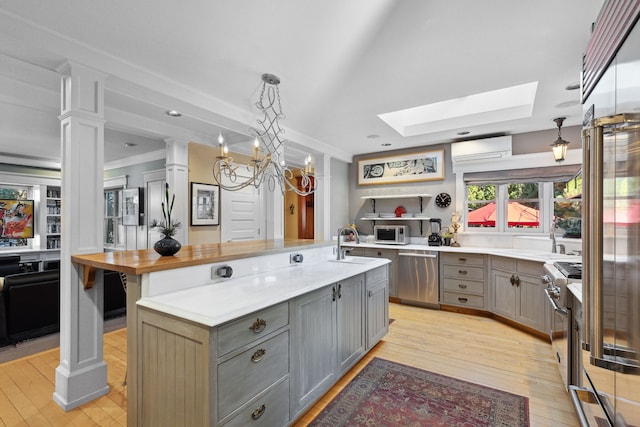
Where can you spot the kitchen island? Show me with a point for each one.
(263, 344)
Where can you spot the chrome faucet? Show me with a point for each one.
(555, 245)
(340, 253)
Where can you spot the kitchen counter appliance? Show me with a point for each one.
(609, 389)
(434, 238)
(391, 234)
(556, 278)
(417, 275)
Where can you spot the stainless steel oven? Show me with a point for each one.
(557, 276)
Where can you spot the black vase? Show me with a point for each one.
(167, 246)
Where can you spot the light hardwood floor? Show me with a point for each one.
(471, 348)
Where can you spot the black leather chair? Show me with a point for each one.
(51, 265)
(32, 304)
(9, 264)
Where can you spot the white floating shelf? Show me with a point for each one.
(377, 218)
(397, 196)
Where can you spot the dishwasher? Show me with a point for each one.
(417, 277)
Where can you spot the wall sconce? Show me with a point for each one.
(559, 147)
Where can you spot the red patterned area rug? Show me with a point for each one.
(385, 393)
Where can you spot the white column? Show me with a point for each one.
(82, 373)
(322, 200)
(178, 179)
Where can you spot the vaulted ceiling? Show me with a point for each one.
(341, 64)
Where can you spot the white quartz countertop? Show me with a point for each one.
(525, 254)
(222, 301)
(576, 289)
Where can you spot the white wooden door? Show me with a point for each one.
(242, 216)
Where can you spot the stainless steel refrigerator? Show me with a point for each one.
(609, 393)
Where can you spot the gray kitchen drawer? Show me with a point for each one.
(462, 259)
(464, 286)
(376, 275)
(460, 299)
(463, 272)
(243, 331)
(251, 372)
(269, 409)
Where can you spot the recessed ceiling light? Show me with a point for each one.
(173, 113)
(573, 86)
(567, 104)
(464, 132)
(129, 144)
(385, 144)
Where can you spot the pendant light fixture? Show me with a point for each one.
(559, 147)
(267, 165)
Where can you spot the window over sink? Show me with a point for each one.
(524, 201)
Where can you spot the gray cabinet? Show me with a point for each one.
(351, 338)
(392, 255)
(199, 376)
(517, 292)
(463, 280)
(328, 338)
(377, 307)
(314, 346)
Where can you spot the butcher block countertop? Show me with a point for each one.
(147, 260)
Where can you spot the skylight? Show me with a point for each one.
(515, 102)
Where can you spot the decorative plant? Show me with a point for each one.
(167, 226)
(445, 233)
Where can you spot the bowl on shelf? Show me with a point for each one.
(407, 215)
(387, 215)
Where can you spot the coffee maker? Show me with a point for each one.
(434, 238)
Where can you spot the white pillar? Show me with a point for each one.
(178, 179)
(322, 200)
(82, 373)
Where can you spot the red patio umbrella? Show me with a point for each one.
(625, 212)
(517, 215)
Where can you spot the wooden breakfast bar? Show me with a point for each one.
(186, 299)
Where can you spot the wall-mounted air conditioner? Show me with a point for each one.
(481, 149)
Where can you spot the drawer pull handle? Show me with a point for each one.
(258, 355)
(462, 286)
(258, 326)
(462, 299)
(462, 259)
(257, 413)
(463, 272)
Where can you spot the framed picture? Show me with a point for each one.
(410, 167)
(131, 206)
(205, 204)
(16, 219)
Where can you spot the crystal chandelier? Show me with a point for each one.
(267, 165)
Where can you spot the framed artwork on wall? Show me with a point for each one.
(131, 206)
(409, 167)
(205, 204)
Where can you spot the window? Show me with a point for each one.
(523, 205)
(113, 228)
(481, 206)
(517, 203)
(503, 207)
(567, 207)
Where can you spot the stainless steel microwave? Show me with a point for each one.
(391, 234)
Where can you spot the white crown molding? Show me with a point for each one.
(135, 160)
